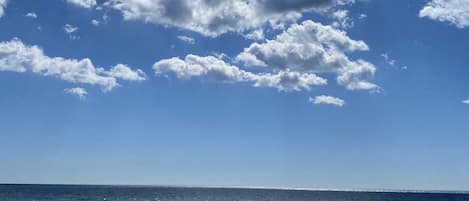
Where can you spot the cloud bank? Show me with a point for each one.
(215, 17)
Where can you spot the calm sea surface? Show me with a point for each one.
(148, 193)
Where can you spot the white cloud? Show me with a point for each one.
(3, 5)
(313, 47)
(362, 16)
(343, 20)
(257, 34)
(215, 17)
(124, 72)
(455, 12)
(466, 101)
(186, 39)
(95, 22)
(70, 30)
(213, 68)
(83, 3)
(329, 100)
(15, 56)
(31, 15)
(77, 91)
(388, 60)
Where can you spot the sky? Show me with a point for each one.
(267, 93)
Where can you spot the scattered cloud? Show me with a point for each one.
(17, 57)
(343, 20)
(186, 39)
(328, 100)
(3, 5)
(362, 16)
(70, 30)
(313, 48)
(392, 62)
(95, 22)
(455, 12)
(77, 91)
(105, 18)
(466, 101)
(83, 3)
(214, 17)
(388, 60)
(31, 15)
(213, 68)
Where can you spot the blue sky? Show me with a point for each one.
(125, 104)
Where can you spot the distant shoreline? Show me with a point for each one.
(365, 190)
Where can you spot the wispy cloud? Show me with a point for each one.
(342, 19)
(31, 15)
(466, 101)
(70, 30)
(3, 5)
(186, 39)
(77, 91)
(328, 100)
(388, 60)
(362, 16)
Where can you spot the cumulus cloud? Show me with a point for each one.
(466, 101)
(83, 3)
(213, 68)
(455, 12)
(124, 72)
(77, 91)
(329, 100)
(31, 15)
(313, 47)
(186, 39)
(215, 17)
(17, 57)
(3, 5)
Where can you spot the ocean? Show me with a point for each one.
(153, 193)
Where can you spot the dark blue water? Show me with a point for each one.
(147, 193)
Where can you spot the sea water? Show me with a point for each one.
(153, 193)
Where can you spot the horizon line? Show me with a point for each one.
(364, 190)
